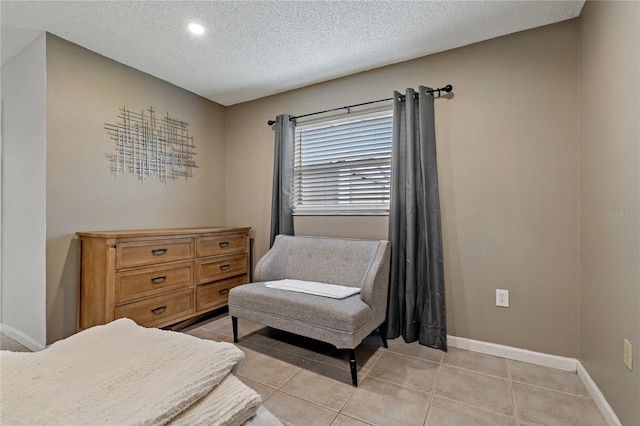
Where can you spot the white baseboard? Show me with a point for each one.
(517, 354)
(597, 396)
(546, 360)
(21, 338)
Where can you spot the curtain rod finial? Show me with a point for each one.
(448, 88)
(271, 122)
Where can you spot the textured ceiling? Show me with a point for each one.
(253, 49)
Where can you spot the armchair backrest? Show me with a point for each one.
(347, 262)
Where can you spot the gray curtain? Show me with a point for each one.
(282, 194)
(416, 308)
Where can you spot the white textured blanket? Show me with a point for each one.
(312, 287)
(231, 403)
(121, 373)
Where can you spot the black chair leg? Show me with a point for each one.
(352, 365)
(383, 334)
(234, 325)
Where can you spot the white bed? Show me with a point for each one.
(121, 373)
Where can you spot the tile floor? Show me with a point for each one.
(8, 344)
(308, 383)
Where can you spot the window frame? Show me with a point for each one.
(347, 209)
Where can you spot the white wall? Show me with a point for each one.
(24, 195)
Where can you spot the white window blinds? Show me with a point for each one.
(343, 166)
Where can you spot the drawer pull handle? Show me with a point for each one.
(225, 267)
(159, 280)
(159, 310)
(224, 244)
(224, 291)
(159, 251)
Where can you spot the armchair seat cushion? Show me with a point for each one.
(346, 315)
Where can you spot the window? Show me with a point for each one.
(343, 166)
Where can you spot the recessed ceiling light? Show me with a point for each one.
(196, 28)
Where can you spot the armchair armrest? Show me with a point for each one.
(272, 265)
(375, 285)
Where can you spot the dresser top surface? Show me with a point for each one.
(160, 232)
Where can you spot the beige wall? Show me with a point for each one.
(610, 201)
(85, 90)
(508, 148)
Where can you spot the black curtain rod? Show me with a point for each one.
(448, 88)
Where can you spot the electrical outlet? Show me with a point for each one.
(502, 298)
(628, 354)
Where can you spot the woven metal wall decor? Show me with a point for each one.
(147, 146)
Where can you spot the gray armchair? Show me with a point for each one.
(343, 323)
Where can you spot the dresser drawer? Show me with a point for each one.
(143, 282)
(216, 294)
(217, 268)
(141, 253)
(214, 245)
(158, 310)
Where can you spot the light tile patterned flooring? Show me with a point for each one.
(308, 383)
(8, 344)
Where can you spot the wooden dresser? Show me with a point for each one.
(158, 277)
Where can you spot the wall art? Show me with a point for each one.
(148, 146)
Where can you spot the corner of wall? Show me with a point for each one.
(24, 194)
(610, 200)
